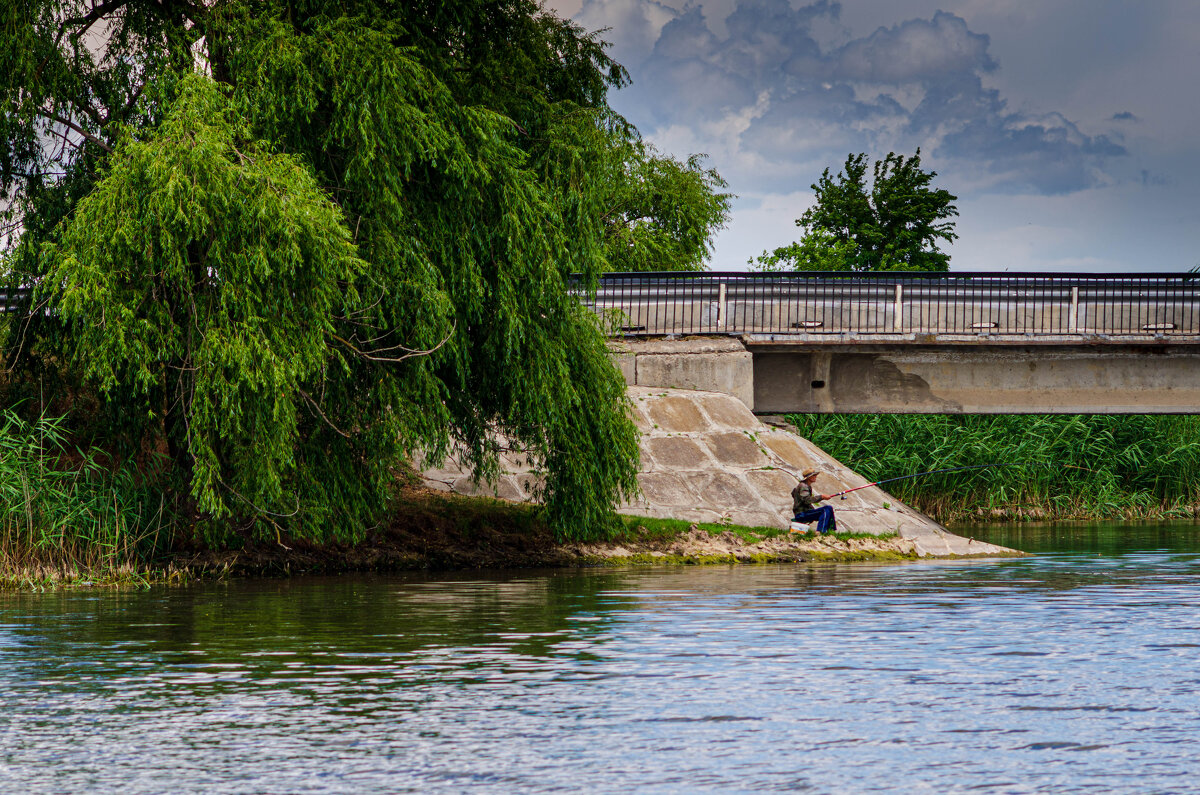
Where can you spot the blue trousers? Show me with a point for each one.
(823, 516)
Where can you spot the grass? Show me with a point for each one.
(647, 528)
(1054, 466)
(67, 515)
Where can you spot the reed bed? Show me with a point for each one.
(1054, 466)
(67, 515)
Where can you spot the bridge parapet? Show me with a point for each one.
(899, 306)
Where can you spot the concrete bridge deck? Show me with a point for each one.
(915, 343)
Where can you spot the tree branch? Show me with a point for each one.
(73, 126)
(316, 407)
(371, 357)
(87, 20)
(137, 93)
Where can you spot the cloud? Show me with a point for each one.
(631, 26)
(1048, 156)
(919, 83)
(915, 51)
(1124, 116)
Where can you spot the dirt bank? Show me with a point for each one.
(434, 530)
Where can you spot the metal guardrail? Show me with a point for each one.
(1152, 305)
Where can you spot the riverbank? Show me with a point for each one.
(714, 486)
(439, 531)
(432, 530)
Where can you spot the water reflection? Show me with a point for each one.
(1070, 670)
(1105, 539)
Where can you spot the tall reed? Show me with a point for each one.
(64, 513)
(1060, 466)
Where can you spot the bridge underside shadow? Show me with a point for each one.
(1032, 379)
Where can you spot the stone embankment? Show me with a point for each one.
(707, 459)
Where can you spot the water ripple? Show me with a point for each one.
(1058, 673)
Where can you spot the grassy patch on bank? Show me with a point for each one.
(644, 528)
(426, 530)
(76, 517)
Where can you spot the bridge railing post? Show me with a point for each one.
(898, 319)
(1073, 317)
(721, 306)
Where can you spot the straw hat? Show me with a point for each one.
(810, 473)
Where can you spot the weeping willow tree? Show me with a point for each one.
(290, 245)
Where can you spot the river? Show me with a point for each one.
(1073, 670)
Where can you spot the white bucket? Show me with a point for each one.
(797, 527)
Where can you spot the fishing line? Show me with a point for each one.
(958, 469)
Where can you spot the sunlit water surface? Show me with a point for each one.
(1074, 670)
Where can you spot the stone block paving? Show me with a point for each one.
(707, 458)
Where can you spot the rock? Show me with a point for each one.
(735, 449)
(673, 452)
(672, 413)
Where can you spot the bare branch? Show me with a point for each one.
(91, 18)
(371, 357)
(75, 127)
(62, 149)
(307, 397)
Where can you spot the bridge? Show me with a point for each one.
(914, 342)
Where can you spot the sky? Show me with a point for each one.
(1069, 130)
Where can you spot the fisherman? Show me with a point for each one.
(804, 504)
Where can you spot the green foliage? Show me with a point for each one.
(895, 225)
(662, 213)
(343, 244)
(646, 528)
(818, 250)
(1067, 466)
(218, 268)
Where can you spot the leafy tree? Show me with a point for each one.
(895, 225)
(663, 213)
(293, 244)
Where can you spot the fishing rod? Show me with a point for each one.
(940, 471)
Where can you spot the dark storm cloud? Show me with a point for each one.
(917, 83)
(1124, 116)
(765, 41)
